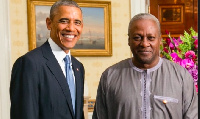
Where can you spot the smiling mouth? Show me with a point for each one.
(68, 36)
(144, 52)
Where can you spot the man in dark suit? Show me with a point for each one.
(39, 88)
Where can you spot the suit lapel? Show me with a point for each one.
(79, 90)
(53, 65)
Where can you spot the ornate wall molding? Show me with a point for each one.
(139, 6)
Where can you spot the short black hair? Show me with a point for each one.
(62, 3)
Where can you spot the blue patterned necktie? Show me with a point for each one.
(70, 80)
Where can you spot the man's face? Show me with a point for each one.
(144, 41)
(66, 26)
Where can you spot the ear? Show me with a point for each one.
(48, 23)
(129, 41)
(161, 43)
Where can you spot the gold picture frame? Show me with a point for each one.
(96, 39)
(171, 14)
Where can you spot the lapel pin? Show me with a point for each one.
(77, 69)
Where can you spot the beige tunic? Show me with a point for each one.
(126, 92)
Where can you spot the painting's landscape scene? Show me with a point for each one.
(93, 30)
(42, 34)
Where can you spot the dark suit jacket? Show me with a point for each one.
(39, 89)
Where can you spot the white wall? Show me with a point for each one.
(4, 60)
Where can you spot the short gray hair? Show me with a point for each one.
(62, 3)
(144, 16)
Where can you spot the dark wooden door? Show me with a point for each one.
(175, 16)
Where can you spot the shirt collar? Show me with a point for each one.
(148, 70)
(57, 51)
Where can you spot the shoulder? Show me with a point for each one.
(117, 67)
(174, 68)
(34, 56)
(169, 64)
(115, 73)
(39, 52)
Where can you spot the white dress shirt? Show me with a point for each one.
(60, 55)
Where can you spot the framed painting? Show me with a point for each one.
(96, 39)
(171, 14)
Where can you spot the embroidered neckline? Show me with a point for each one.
(148, 70)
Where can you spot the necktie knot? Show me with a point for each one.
(67, 59)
